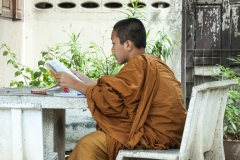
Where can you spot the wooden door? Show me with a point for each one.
(210, 36)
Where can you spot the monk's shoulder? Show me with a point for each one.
(141, 59)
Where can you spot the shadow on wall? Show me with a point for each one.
(79, 122)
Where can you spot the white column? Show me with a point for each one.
(17, 138)
(33, 134)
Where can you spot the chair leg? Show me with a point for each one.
(217, 151)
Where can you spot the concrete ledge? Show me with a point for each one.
(50, 156)
(206, 70)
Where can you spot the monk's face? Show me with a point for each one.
(120, 50)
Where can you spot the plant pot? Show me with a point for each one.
(232, 149)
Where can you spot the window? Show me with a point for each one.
(11, 9)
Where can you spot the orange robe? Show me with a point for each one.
(140, 108)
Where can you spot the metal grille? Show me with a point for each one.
(204, 58)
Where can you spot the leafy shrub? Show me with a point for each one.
(231, 126)
(162, 45)
(31, 77)
(232, 116)
(93, 62)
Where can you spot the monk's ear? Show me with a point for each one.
(128, 45)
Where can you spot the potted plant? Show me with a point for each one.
(232, 126)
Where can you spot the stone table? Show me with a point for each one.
(32, 125)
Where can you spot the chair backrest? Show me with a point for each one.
(203, 131)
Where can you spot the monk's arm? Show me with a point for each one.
(68, 81)
(85, 79)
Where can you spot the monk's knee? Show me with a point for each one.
(92, 146)
(86, 143)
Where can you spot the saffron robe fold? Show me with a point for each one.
(140, 108)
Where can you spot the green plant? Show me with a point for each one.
(134, 11)
(231, 123)
(232, 116)
(162, 46)
(93, 61)
(70, 53)
(100, 63)
(30, 77)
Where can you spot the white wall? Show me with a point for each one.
(42, 28)
(11, 33)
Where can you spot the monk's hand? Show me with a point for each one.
(65, 80)
(85, 79)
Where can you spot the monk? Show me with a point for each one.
(140, 108)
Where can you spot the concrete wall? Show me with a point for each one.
(79, 122)
(11, 33)
(41, 28)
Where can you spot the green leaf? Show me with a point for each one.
(27, 77)
(12, 84)
(225, 128)
(5, 53)
(17, 73)
(41, 62)
(42, 69)
(10, 61)
(28, 70)
(36, 74)
(233, 126)
(15, 65)
(18, 84)
(34, 83)
(44, 53)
